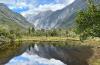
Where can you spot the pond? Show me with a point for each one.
(45, 53)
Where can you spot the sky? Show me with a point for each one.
(25, 7)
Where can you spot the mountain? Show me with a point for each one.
(11, 20)
(61, 18)
(37, 19)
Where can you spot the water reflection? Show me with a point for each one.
(27, 59)
(10, 50)
(71, 53)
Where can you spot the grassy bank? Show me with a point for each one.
(43, 38)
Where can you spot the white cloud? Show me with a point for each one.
(52, 7)
(67, 2)
(17, 5)
(34, 8)
(41, 8)
(7, 1)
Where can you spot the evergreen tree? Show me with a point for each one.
(54, 32)
(88, 21)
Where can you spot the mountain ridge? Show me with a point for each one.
(57, 18)
(12, 19)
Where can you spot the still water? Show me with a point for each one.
(28, 59)
(45, 54)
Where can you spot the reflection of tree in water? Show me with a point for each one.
(10, 50)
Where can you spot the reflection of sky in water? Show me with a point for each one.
(26, 59)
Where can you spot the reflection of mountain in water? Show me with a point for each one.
(68, 55)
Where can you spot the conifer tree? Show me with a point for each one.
(88, 21)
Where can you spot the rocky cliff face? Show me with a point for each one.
(11, 19)
(36, 20)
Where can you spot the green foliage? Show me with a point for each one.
(54, 33)
(88, 21)
(10, 34)
(31, 30)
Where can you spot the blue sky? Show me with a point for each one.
(45, 1)
(17, 9)
(26, 7)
